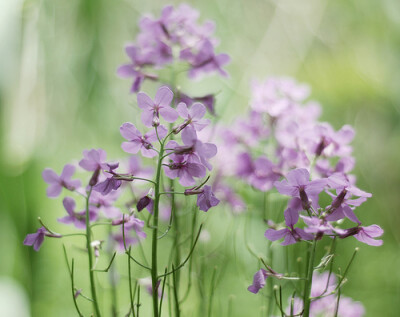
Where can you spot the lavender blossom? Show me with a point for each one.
(193, 116)
(291, 234)
(138, 142)
(365, 234)
(56, 183)
(205, 60)
(184, 170)
(160, 106)
(36, 239)
(299, 185)
(206, 199)
(78, 219)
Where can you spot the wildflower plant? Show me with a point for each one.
(172, 120)
(281, 145)
(279, 148)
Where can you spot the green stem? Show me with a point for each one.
(176, 299)
(131, 295)
(154, 274)
(176, 236)
(90, 257)
(308, 283)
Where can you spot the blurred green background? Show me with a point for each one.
(59, 95)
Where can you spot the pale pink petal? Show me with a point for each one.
(49, 176)
(182, 110)
(126, 71)
(67, 172)
(54, 190)
(144, 101)
(197, 111)
(69, 205)
(164, 97)
(129, 131)
(131, 147)
(299, 176)
(273, 235)
(169, 114)
(147, 117)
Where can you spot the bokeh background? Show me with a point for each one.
(59, 94)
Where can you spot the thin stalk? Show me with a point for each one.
(176, 299)
(212, 288)
(337, 303)
(308, 283)
(138, 300)
(155, 233)
(131, 298)
(162, 293)
(280, 299)
(347, 268)
(176, 236)
(71, 274)
(90, 258)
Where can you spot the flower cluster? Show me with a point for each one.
(320, 221)
(188, 162)
(175, 36)
(280, 133)
(324, 294)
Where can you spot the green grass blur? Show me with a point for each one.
(59, 95)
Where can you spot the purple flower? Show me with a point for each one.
(108, 185)
(134, 68)
(291, 234)
(261, 173)
(299, 185)
(186, 171)
(111, 182)
(206, 199)
(275, 96)
(365, 234)
(93, 160)
(143, 203)
(136, 169)
(58, 182)
(131, 224)
(319, 227)
(105, 203)
(205, 60)
(207, 100)
(36, 239)
(260, 277)
(160, 106)
(341, 203)
(76, 218)
(258, 281)
(193, 116)
(138, 142)
(194, 150)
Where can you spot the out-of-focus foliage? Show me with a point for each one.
(59, 94)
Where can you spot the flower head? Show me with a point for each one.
(160, 106)
(76, 218)
(36, 239)
(56, 183)
(206, 199)
(137, 141)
